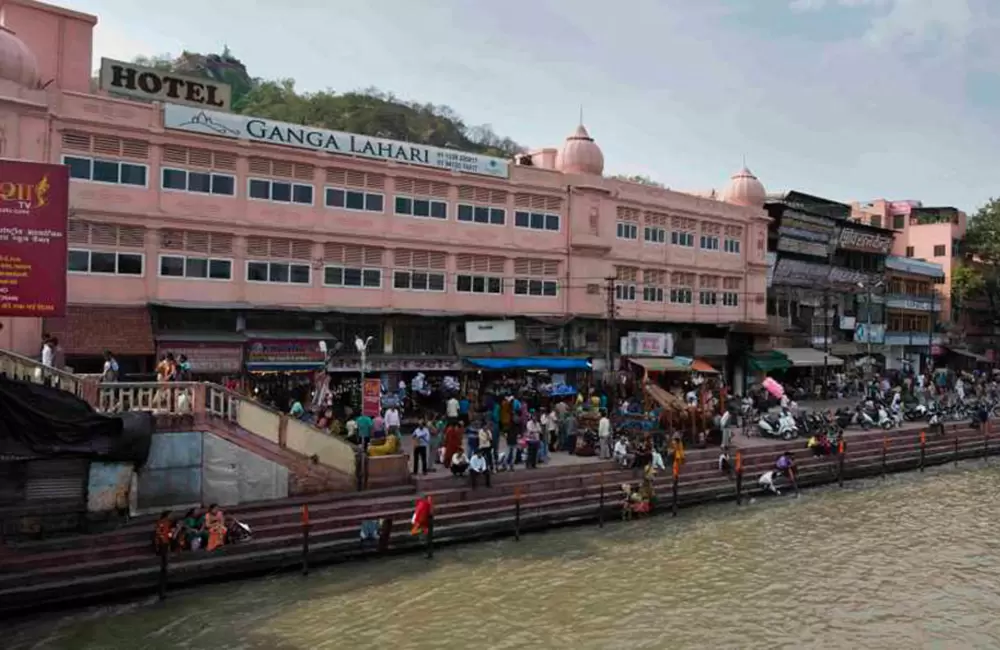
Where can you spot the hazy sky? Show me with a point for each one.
(848, 99)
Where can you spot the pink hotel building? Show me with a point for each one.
(240, 242)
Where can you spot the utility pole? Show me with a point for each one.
(930, 332)
(610, 326)
(826, 340)
(868, 332)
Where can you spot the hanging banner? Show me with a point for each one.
(371, 397)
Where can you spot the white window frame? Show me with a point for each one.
(730, 299)
(676, 292)
(428, 273)
(685, 235)
(709, 239)
(708, 297)
(527, 293)
(625, 292)
(187, 177)
(731, 246)
(290, 264)
(655, 291)
(486, 284)
(159, 267)
(627, 230)
(362, 269)
(647, 230)
(545, 219)
(364, 193)
(117, 254)
(411, 199)
(473, 206)
(94, 159)
(270, 193)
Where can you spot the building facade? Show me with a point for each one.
(245, 241)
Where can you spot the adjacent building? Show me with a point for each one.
(242, 242)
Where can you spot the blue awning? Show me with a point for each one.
(532, 363)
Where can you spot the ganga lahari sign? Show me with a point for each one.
(867, 242)
(150, 84)
(258, 129)
(34, 211)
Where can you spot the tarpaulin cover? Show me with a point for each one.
(39, 420)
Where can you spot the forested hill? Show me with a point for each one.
(369, 111)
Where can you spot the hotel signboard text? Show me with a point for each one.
(859, 240)
(140, 82)
(257, 129)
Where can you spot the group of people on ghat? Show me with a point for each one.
(196, 530)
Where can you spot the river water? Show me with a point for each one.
(909, 562)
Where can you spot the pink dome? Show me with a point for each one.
(17, 62)
(580, 154)
(744, 189)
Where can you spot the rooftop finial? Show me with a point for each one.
(581, 114)
(744, 161)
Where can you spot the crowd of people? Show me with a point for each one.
(196, 530)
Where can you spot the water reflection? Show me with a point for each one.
(909, 563)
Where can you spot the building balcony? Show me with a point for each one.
(912, 338)
(912, 303)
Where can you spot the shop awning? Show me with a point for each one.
(704, 367)
(969, 354)
(809, 357)
(89, 330)
(661, 364)
(768, 361)
(531, 363)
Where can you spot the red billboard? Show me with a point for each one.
(34, 209)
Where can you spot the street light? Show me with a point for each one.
(868, 308)
(362, 346)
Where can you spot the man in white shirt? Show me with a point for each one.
(478, 466)
(534, 433)
(459, 463)
(621, 453)
(48, 353)
(421, 441)
(766, 481)
(604, 436)
(451, 409)
(552, 428)
(391, 420)
(486, 443)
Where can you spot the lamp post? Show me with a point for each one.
(868, 309)
(362, 347)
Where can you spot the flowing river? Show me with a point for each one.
(909, 562)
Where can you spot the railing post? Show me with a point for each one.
(841, 449)
(517, 513)
(305, 539)
(885, 453)
(739, 478)
(923, 449)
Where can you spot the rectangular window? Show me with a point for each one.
(112, 172)
(628, 230)
(355, 200)
(536, 220)
(681, 238)
(532, 287)
(429, 208)
(182, 180)
(654, 235)
(625, 292)
(470, 213)
(909, 251)
(899, 222)
(940, 250)
(681, 296)
(479, 284)
(418, 281)
(876, 220)
(346, 276)
(105, 262)
(708, 298)
(709, 243)
(652, 294)
(263, 189)
(278, 272)
(731, 246)
(199, 268)
(730, 299)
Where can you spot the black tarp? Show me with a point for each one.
(38, 420)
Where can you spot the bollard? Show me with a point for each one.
(986, 445)
(840, 465)
(923, 449)
(956, 450)
(164, 552)
(677, 476)
(739, 478)
(305, 539)
(517, 514)
(885, 452)
(430, 535)
(600, 505)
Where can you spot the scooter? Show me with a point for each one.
(782, 426)
(915, 413)
(885, 421)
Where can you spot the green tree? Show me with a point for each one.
(638, 178)
(979, 277)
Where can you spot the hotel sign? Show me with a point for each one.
(799, 273)
(150, 84)
(815, 249)
(866, 242)
(257, 129)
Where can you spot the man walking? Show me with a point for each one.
(421, 441)
(604, 435)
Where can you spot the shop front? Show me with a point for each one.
(280, 369)
(209, 360)
(414, 383)
(532, 379)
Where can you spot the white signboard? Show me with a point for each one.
(650, 344)
(489, 331)
(258, 129)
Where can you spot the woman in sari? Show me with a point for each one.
(163, 533)
(452, 442)
(215, 525)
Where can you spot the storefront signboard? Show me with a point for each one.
(849, 278)
(490, 331)
(853, 239)
(34, 212)
(799, 273)
(258, 129)
(140, 82)
(206, 358)
(371, 396)
(390, 364)
(869, 333)
(290, 352)
(912, 304)
(650, 344)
